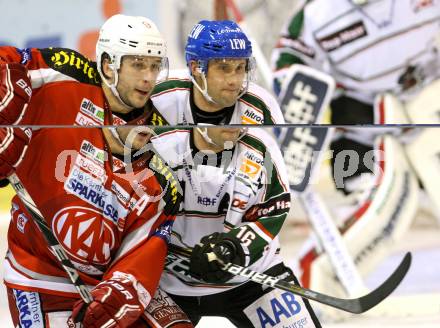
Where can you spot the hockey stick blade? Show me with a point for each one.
(353, 305)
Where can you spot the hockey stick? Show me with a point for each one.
(354, 305)
(304, 96)
(331, 239)
(301, 104)
(53, 243)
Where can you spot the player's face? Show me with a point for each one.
(223, 135)
(225, 80)
(134, 137)
(137, 77)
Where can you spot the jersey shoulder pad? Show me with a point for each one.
(156, 118)
(171, 195)
(262, 100)
(71, 63)
(254, 141)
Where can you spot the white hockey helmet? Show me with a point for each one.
(129, 35)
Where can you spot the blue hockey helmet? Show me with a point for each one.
(216, 39)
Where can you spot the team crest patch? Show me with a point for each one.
(84, 235)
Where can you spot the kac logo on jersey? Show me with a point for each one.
(84, 234)
(29, 309)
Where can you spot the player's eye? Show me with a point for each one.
(139, 65)
(155, 67)
(225, 68)
(241, 68)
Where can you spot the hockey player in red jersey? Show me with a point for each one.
(110, 208)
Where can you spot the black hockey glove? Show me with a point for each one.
(227, 248)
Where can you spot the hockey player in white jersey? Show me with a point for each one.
(384, 56)
(236, 198)
(219, 87)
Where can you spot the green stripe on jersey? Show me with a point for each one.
(254, 143)
(172, 84)
(296, 24)
(286, 60)
(259, 103)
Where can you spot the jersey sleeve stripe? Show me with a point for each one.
(262, 231)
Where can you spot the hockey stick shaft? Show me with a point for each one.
(332, 242)
(355, 305)
(310, 88)
(53, 243)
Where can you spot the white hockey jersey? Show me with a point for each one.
(172, 100)
(245, 193)
(384, 45)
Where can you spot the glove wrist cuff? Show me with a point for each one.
(143, 295)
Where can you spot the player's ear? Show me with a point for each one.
(194, 67)
(107, 69)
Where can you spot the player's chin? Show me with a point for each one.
(140, 141)
(139, 99)
(229, 98)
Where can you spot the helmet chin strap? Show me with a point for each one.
(203, 91)
(113, 86)
(116, 136)
(204, 133)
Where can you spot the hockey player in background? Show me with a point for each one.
(369, 47)
(110, 208)
(236, 198)
(384, 56)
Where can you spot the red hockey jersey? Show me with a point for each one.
(107, 217)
